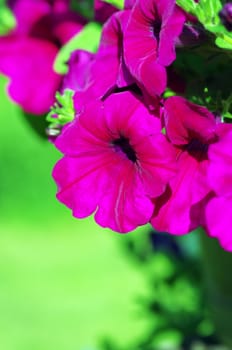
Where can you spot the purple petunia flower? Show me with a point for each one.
(108, 63)
(80, 61)
(116, 162)
(28, 52)
(219, 209)
(192, 130)
(149, 41)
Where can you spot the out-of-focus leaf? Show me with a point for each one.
(117, 3)
(168, 340)
(7, 20)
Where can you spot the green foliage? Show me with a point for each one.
(174, 304)
(207, 74)
(62, 112)
(207, 12)
(117, 3)
(7, 20)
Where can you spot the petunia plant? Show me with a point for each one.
(144, 106)
(151, 112)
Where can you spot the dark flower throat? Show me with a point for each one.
(157, 28)
(122, 144)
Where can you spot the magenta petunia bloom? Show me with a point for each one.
(219, 209)
(218, 213)
(108, 63)
(79, 69)
(220, 169)
(149, 41)
(192, 130)
(116, 162)
(28, 52)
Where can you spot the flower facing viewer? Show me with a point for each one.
(116, 162)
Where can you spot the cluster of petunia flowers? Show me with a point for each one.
(131, 156)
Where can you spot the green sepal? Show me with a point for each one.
(62, 112)
(88, 39)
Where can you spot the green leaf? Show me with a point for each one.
(7, 20)
(187, 5)
(224, 42)
(227, 115)
(88, 39)
(117, 3)
(211, 9)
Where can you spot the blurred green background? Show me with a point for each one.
(64, 283)
(67, 284)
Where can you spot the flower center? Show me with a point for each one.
(157, 28)
(122, 145)
(198, 149)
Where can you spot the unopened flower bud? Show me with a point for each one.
(226, 16)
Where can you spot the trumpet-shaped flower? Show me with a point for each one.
(116, 162)
(192, 130)
(149, 41)
(219, 209)
(108, 62)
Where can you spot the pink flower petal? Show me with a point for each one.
(172, 29)
(126, 200)
(220, 169)
(218, 220)
(185, 121)
(181, 208)
(152, 29)
(27, 62)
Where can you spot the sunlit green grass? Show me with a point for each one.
(64, 283)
